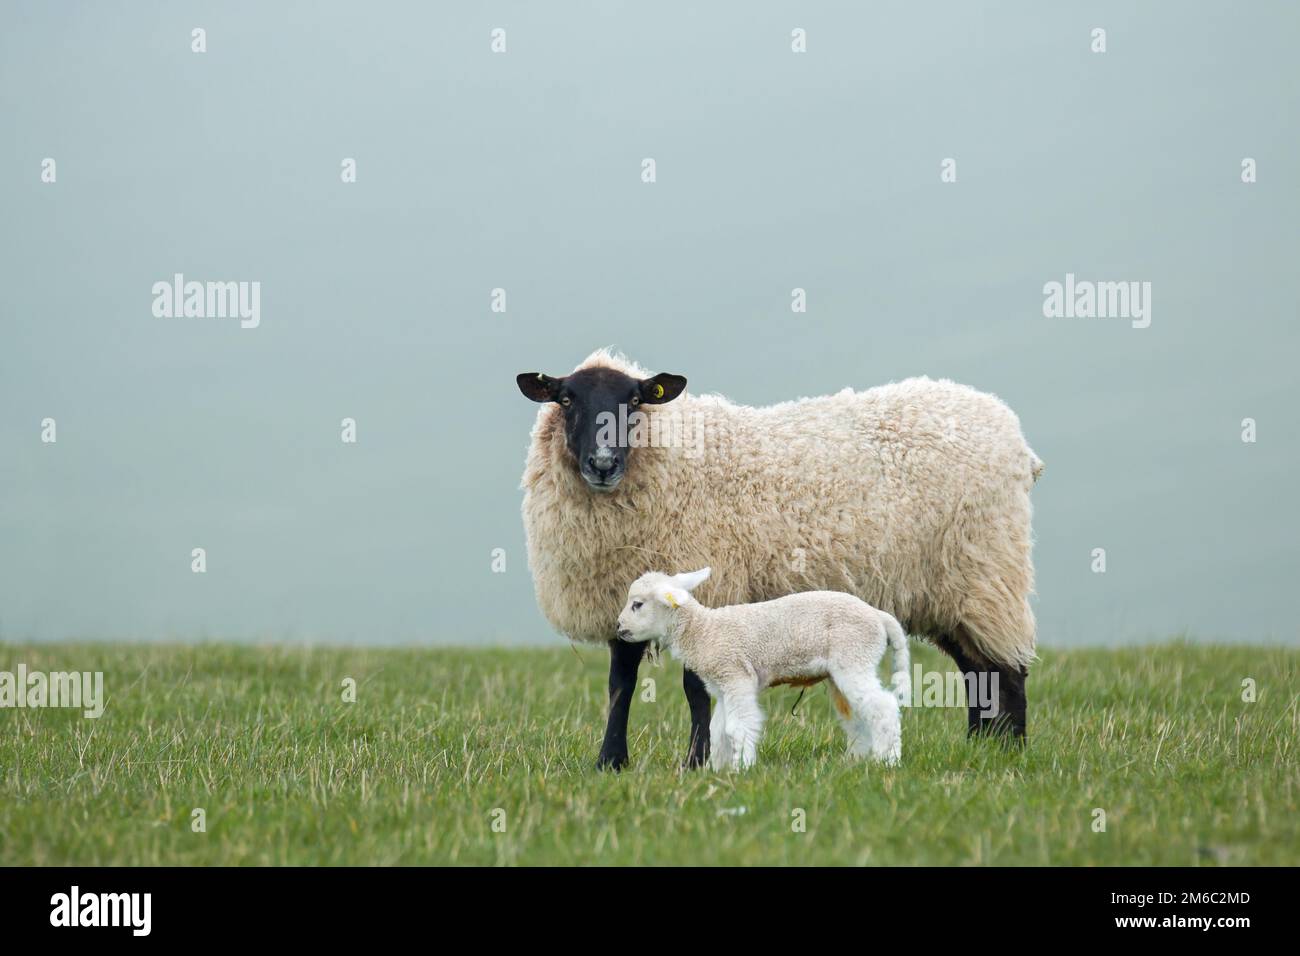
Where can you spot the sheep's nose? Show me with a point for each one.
(603, 461)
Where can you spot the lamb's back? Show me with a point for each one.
(795, 636)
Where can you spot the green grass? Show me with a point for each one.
(1158, 737)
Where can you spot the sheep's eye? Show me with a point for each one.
(636, 605)
(634, 401)
(566, 401)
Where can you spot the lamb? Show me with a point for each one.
(800, 639)
(913, 496)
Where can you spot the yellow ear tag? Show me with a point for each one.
(659, 390)
(668, 596)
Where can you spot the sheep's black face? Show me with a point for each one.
(598, 404)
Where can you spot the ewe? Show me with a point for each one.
(801, 639)
(912, 496)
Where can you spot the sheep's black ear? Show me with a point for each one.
(663, 387)
(538, 387)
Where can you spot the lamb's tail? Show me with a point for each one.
(901, 679)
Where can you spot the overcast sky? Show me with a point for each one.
(521, 170)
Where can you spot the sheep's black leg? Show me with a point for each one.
(974, 673)
(1009, 718)
(1011, 703)
(697, 697)
(624, 659)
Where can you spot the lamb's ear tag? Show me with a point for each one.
(668, 595)
(541, 377)
(659, 390)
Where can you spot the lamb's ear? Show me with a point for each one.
(690, 580)
(539, 387)
(673, 596)
(661, 388)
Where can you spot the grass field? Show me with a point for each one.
(438, 741)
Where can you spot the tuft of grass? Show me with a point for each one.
(442, 744)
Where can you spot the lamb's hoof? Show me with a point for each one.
(614, 762)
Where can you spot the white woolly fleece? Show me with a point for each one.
(913, 496)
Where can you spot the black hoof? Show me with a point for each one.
(614, 762)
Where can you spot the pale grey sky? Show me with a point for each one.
(521, 170)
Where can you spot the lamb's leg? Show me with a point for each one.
(720, 746)
(856, 742)
(697, 698)
(876, 725)
(624, 659)
(744, 725)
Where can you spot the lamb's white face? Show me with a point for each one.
(651, 601)
(646, 616)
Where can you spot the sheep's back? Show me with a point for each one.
(885, 494)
